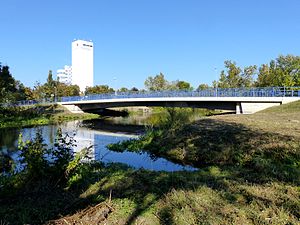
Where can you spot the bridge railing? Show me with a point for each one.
(211, 92)
(27, 103)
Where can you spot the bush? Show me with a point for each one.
(33, 155)
(55, 163)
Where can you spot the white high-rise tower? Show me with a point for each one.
(83, 64)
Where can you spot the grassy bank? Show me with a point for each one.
(249, 173)
(38, 115)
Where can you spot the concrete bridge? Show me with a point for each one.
(240, 101)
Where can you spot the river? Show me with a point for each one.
(98, 134)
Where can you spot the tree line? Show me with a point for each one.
(282, 71)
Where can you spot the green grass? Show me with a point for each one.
(211, 196)
(285, 108)
(249, 174)
(39, 115)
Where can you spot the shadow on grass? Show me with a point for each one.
(246, 176)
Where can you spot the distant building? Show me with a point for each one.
(65, 75)
(83, 64)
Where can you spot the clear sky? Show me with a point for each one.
(133, 39)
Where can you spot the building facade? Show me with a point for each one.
(83, 64)
(65, 75)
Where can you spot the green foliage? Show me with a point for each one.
(172, 120)
(157, 83)
(175, 118)
(123, 89)
(67, 90)
(53, 89)
(62, 152)
(48, 89)
(134, 89)
(235, 77)
(183, 85)
(56, 163)
(202, 87)
(99, 89)
(6, 163)
(33, 154)
(50, 81)
(284, 71)
(72, 165)
(38, 115)
(10, 89)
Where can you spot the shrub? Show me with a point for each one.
(55, 163)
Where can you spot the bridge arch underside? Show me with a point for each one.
(95, 107)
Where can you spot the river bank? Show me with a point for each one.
(17, 117)
(249, 172)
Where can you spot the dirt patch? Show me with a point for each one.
(92, 215)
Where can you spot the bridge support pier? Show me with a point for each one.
(73, 108)
(238, 108)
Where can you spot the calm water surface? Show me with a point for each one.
(90, 134)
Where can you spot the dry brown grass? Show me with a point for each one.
(284, 120)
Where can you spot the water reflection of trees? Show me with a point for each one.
(6, 163)
(8, 137)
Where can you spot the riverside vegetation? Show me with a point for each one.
(249, 173)
(38, 115)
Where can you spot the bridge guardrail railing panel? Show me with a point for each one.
(211, 92)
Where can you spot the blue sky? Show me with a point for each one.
(133, 39)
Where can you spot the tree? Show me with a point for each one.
(183, 85)
(49, 87)
(67, 90)
(38, 91)
(10, 89)
(53, 88)
(123, 89)
(246, 78)
(99, 89)
(284, 71)
(28, 93)
(222, 83)
(134, 89)
(287, 70)
(202, 87)
(50, 81)
(233, 74)
(157, 83)
(235, 77)
(264, 78)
